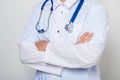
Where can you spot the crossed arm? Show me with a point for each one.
(64, 54)
(86, 37)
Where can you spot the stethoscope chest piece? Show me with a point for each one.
(69, 27)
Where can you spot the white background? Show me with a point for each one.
(13, 16)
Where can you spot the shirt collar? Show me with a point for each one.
(67, 3)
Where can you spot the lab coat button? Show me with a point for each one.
(58, 31)
(61, 12)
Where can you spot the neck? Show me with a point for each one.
(62, 1)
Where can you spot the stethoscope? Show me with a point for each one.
(68, 27)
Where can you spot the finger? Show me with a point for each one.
(85, 37)
(89, 37)
(82, 37)
(85, 34)
(87, 40)
(37, 44)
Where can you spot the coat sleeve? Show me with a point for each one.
(81, 55)
(27, 49)
(28, 53)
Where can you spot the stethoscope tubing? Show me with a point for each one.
(41, 12)
(68, 27)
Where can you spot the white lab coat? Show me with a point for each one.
(61, 52)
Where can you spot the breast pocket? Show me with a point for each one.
(76, 33)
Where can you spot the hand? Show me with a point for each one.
(86, 37)
(41, 45)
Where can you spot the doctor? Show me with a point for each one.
(64, 39)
